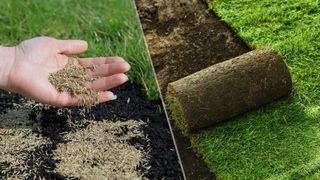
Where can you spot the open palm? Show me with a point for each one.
(37, 58)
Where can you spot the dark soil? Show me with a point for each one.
(183, 38)
(131, 104)
(186, 42)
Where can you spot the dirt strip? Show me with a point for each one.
(183, 38)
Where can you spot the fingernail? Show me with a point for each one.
(114, 97)
(126, 77)
(127, 66)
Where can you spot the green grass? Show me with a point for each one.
(177, 113)
(111, 27)
(282, 140)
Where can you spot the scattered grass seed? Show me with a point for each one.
(71, 79)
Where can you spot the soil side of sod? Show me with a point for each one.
(55, 123)
(183, 38)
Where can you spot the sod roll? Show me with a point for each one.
(227, 89)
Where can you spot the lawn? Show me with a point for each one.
(109, 31)
(282, 140)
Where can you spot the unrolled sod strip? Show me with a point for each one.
(227, 89)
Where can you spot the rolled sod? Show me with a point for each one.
(227, 89)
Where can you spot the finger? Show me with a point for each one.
(106, 83)
(72, 46)
(86, 62)
(106, 96)
(65, 99)
(110, 69)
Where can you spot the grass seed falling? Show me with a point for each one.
(71, 79)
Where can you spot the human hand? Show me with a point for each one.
(32, 61)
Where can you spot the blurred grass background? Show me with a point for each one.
(282, 140)
(111, 27)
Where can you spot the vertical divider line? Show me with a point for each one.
(161, 97)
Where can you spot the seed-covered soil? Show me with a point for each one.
(124, 139)
(102, 151)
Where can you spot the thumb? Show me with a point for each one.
(72, 46)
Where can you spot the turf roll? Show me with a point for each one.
(229, 88)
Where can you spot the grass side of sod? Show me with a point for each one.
(177, 112)
(282, 140)
(111, 27)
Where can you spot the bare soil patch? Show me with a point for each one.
(183, 38)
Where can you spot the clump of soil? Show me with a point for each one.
(71, 79)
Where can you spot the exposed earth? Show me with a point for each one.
(183, 38)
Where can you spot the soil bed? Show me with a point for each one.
(53, 132)
(183, 38)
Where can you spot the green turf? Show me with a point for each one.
(282, 140)
(176, 112)
(111, 27)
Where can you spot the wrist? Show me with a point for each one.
(6, 62)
